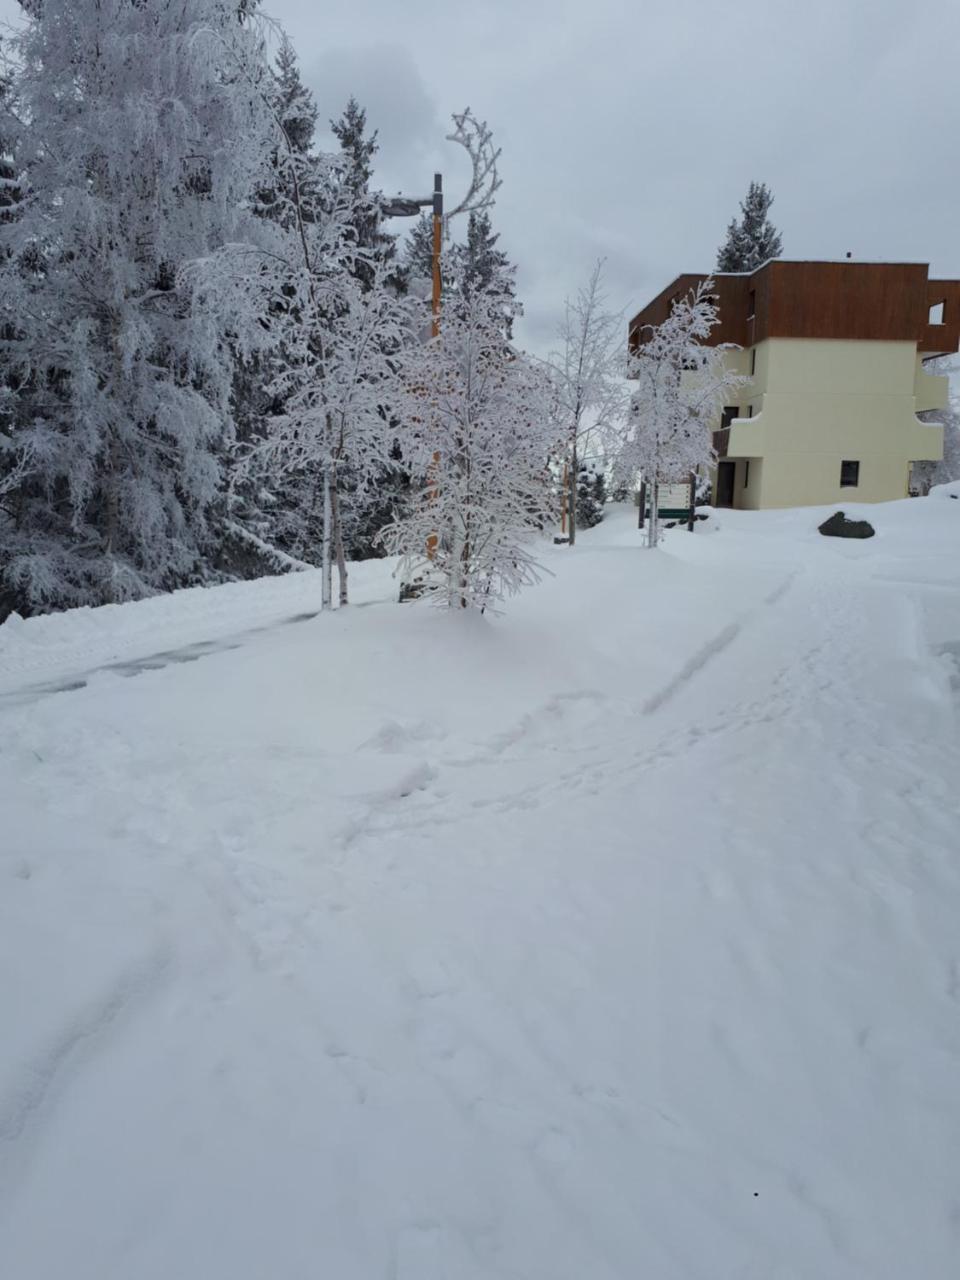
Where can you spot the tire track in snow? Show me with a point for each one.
(713, 648)
(25, 1107)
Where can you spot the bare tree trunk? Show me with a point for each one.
(574, 470)
(326, 580)
(465, 570)
(693, 502)
(338, 542)
(643, 504)
(653, 531)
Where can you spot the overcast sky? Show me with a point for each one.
(630, 130)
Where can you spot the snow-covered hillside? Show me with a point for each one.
(614, 938)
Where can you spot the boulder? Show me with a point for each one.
(838, 526)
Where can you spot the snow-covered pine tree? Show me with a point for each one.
(680, 384)
(9, 198)
(367, 502)
(140, 137)
(276, 520)
(16, 436)
(417, 255)
(734, 253)
(591, 497)
(295, 105)
(357, 150)
(753, 239)
(587, 371)
(482, 442)
(479, 266)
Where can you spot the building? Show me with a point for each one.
(834, 355)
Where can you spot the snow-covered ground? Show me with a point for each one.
(615, 938)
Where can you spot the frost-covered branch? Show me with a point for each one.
(587, 373)
(476, 138)
(481, 438)
(681, 383)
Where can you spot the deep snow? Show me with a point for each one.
(614, 938)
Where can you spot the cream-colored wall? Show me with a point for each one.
(930, 390)
(748, 496)
(817, 402)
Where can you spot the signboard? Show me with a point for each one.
(673, 501)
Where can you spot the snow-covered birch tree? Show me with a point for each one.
(680, 384)
(138, 142)
(338, 384)
(587, 371)
(479, 415)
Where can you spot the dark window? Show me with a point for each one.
(730, 412)
(752, 304)
(849, 475)
(753, 361)
(746, 473)
(937, 312)
(749, 410)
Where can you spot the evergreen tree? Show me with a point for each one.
(484, 268)
(140, 154)
(277, 515)
(416, 260)
(14, 455)
(753, 240)
(295, 106)
(357, 151)
(479, 267)
(591, 497)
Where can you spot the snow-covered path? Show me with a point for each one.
(616, 938)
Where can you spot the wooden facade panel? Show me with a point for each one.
(946, 336)
(877, 301)
(848, 300)
(732, 297)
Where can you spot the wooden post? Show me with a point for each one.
(693, 499)
(437, 249)
(643, 503)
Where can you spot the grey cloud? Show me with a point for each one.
(630, 128)
(386, 81)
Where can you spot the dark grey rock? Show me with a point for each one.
(838, 526)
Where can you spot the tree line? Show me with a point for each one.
(216, 361)
(211, 353)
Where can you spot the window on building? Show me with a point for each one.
(752, 304)
(753, 361)
(730, 412)
(936, 312)
(849, 475)
(746, 473)
(749, 410)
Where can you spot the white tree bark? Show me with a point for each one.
(326, 589)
